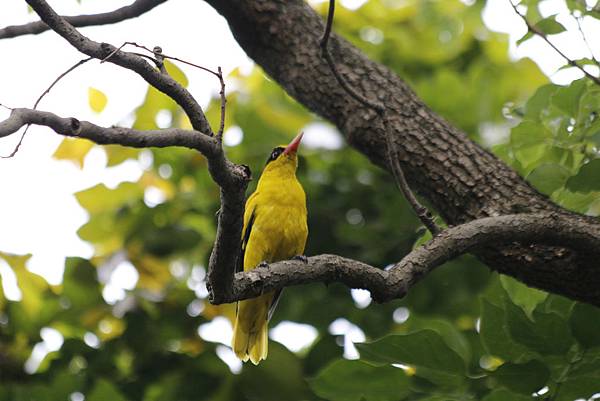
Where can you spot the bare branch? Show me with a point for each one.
(162, 82)
(386, 285)
(73, 127)
(535, 30)
(133, 10)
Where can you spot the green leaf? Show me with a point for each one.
(525, 37)
(277, 378)
(538, 103)
(345, 380)
(530, 141)
(580, 62)
(576, 5)
(453, 337)
(529, 133)
(578, 388)
(567, 98)
(524, 378)
(176, 73)
(74, 150)
(100, 198)
(426, 350)
(548, 334)
(505, 395)
(587, 178)
(97, 99)
(585, 324)
(104, 390)
(525, 297)
(494, 333)
(550, 26)
(548, 177)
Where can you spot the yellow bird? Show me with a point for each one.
(274, 229)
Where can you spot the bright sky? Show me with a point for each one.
(38, 213)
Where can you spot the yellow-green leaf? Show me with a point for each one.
(97, 99)
(74, 150)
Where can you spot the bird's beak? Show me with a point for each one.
(293, 146)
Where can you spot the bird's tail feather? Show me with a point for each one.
(259, 348)
(251, 345)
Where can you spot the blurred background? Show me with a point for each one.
(103, 250)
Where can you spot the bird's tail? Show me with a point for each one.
(250, 341)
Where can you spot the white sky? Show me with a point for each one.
(38, 213)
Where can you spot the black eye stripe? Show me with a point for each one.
(275, 154)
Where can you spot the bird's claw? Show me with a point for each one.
(263, 264)
(301, 258)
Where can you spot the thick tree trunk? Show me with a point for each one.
(459, 178)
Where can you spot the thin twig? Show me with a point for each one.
(535, 30)
(223, 102)
(155, 61)
(378, 107)
(421, 211)
(587, 44)
(39, 99)
(171, 58)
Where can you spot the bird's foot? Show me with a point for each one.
(263, 264)
(301, 258)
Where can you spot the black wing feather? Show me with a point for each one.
(245, 239)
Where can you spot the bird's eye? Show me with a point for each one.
(275, 154)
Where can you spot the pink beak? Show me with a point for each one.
(293, 146)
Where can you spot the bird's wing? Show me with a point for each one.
(249, 216)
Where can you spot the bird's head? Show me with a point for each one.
(283, 159)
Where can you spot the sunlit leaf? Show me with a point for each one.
(74, 150)
(97, 99)
(526, 297)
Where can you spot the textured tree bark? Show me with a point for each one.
(459, 178)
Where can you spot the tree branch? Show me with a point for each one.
(73, 127)
(459, 178)
(133, 10)
(101, 51)
(386, 285)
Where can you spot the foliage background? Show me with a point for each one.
(462, 334)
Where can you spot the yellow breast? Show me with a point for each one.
(278, 214)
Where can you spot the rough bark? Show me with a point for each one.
(459, 178)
